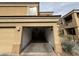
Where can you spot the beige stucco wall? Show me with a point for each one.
(7, 39)
(17, 9)
(27, 22)
(13, 11)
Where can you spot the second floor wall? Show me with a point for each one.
(70, 21)
(19, 9)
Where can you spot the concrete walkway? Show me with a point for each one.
(38, 49)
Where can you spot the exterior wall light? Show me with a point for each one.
(18, 28)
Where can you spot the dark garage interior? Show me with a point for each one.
(38, 35)
(37, 39)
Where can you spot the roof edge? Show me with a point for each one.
(33, 16)
(18, 2)
(72, 11)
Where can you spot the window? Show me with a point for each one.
(71, 31)
(68, 19)
(33, 11)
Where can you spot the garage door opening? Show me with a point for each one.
(37, 39)
(38, 35)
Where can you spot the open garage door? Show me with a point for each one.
(37, 40)
(7, 38)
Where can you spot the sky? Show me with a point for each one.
(59, 8)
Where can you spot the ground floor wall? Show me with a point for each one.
(7, 39)
(10, 38)
(72, 37)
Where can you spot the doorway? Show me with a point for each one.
(37, 39)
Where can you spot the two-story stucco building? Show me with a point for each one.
(22, 23)
(69, 23)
